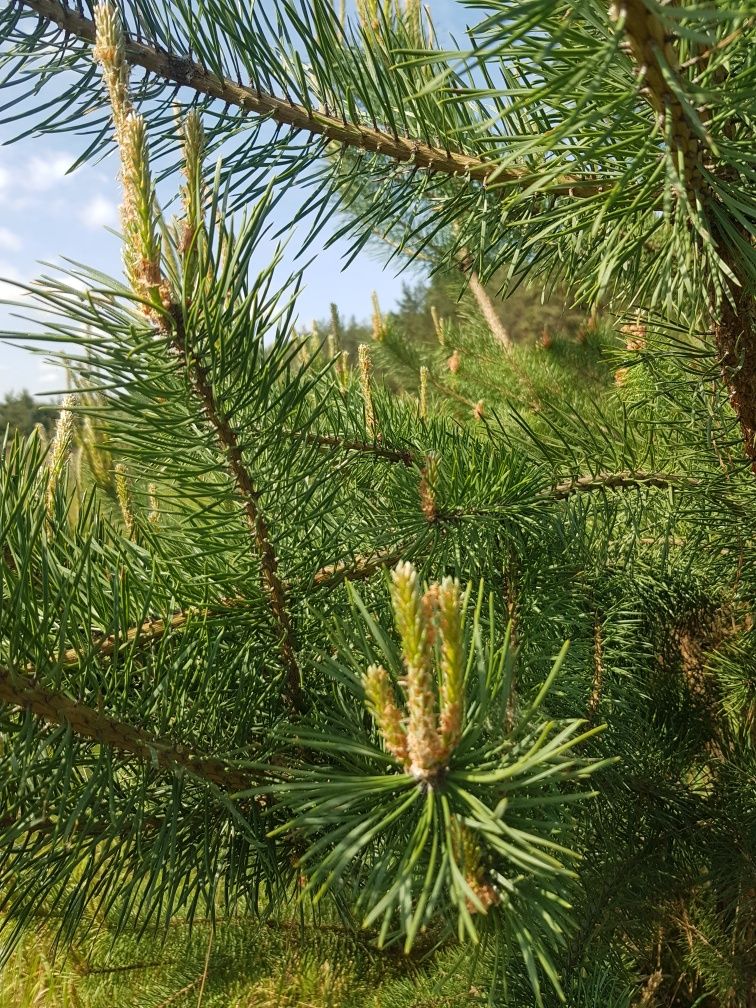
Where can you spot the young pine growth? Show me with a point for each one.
(430, 626)
(440, 803)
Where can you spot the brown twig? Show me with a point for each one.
(598, 670)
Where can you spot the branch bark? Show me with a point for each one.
(618, 481)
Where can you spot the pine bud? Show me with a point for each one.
(154, 514)
(424, 392)
(425, 746)
(453, 362)
(343, 368)
(379, 329)
(141, 244)
(422, 729)
(428, 479)
(333, 347)
(471, 857)
(479, 409)
(41, 435)
(124, 498)
(335, 324)
(366, 373)
(438, 325)
(109, 52)
(379, 697)
(93, 442)
(450, 617)
(635, 335)
(60, 449)
(193, 136)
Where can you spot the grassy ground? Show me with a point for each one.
(244, 964)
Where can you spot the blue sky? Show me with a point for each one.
(47, 214)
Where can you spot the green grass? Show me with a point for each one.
(245, 963)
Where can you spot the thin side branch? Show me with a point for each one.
(56, 708)
(226, 436)
(361, 447)
(150, 630)
(618, 481)
(358, 568)
(186, 73)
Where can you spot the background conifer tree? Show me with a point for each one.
(274, 636)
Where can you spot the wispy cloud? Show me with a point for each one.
(9, 240)
(8, 291)
(44, 173)
(99, 212)
(26, 182)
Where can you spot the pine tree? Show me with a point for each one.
(273, 636)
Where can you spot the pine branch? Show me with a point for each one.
(734, 309)
(657, 63)
(149, 631)
(361, 567)
(184, 72)
(362, 447)
(56, 708)
(618, 481)
(142, 257)
(226, 436)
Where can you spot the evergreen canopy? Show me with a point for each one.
(198, 707)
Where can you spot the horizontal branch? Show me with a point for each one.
(618, 481)
(361, 567)
(187, 73)
(361, 447)
(150, 630)
(56, 708)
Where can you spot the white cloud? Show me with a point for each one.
(51, 377)
(8, 291)
(9, 240)
(43, 173)
(99, 212)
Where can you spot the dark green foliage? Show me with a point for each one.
(189, 725)
(21, 412)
